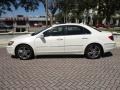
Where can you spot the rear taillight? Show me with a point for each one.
(111, 37)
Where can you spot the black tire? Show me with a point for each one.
(93, 51)
(24, 52)
(13, 56)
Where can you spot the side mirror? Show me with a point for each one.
(42, 36)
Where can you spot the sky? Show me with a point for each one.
(21, 11)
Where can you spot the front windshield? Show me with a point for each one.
(35, 33)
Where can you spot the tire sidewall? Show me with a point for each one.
(24, 45)
(86, 51)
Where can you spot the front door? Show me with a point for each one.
(53, 41)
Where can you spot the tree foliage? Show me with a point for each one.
(29, 5)
(5, 5)
(76, 7)
(105, 8)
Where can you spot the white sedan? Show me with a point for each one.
(62, 39)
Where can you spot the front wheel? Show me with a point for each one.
(24, 52)
(93, 51)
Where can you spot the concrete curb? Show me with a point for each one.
(16, 33)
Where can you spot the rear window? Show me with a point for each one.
(77, 30)
(95, 28)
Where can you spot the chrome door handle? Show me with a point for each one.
(59, 39)
(84, 38)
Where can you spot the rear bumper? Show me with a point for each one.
(109, 46)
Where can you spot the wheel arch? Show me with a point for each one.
(97, 44)
(23, 44)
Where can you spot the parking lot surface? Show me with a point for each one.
(60, 72)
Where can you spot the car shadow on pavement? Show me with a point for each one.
(58, 56)
(108, 54)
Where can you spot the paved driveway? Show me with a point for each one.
(60, 73)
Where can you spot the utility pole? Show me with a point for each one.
(46, 1)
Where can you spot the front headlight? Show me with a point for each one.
(10, 43)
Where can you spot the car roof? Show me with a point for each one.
(78, 24)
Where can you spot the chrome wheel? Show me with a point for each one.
(93, 51)
(24, 52)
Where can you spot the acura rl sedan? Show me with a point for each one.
(62, 39)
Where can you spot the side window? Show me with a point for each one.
(56, 31)
(73, 30)
(77, 30)
(85, 31)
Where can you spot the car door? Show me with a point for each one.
(53, 41)
(75, 39)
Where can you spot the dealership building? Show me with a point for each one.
(22, 23)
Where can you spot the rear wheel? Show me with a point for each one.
(93, 51)
(24, 52)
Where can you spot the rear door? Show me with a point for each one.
(75, 38)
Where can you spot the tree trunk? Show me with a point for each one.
(51, 20)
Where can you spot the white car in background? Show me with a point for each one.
(63, 39)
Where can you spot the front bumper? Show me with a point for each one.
(10, 50)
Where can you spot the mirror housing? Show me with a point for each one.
(42, 36)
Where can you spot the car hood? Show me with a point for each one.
(21, 37)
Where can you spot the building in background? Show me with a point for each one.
(22, 23)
